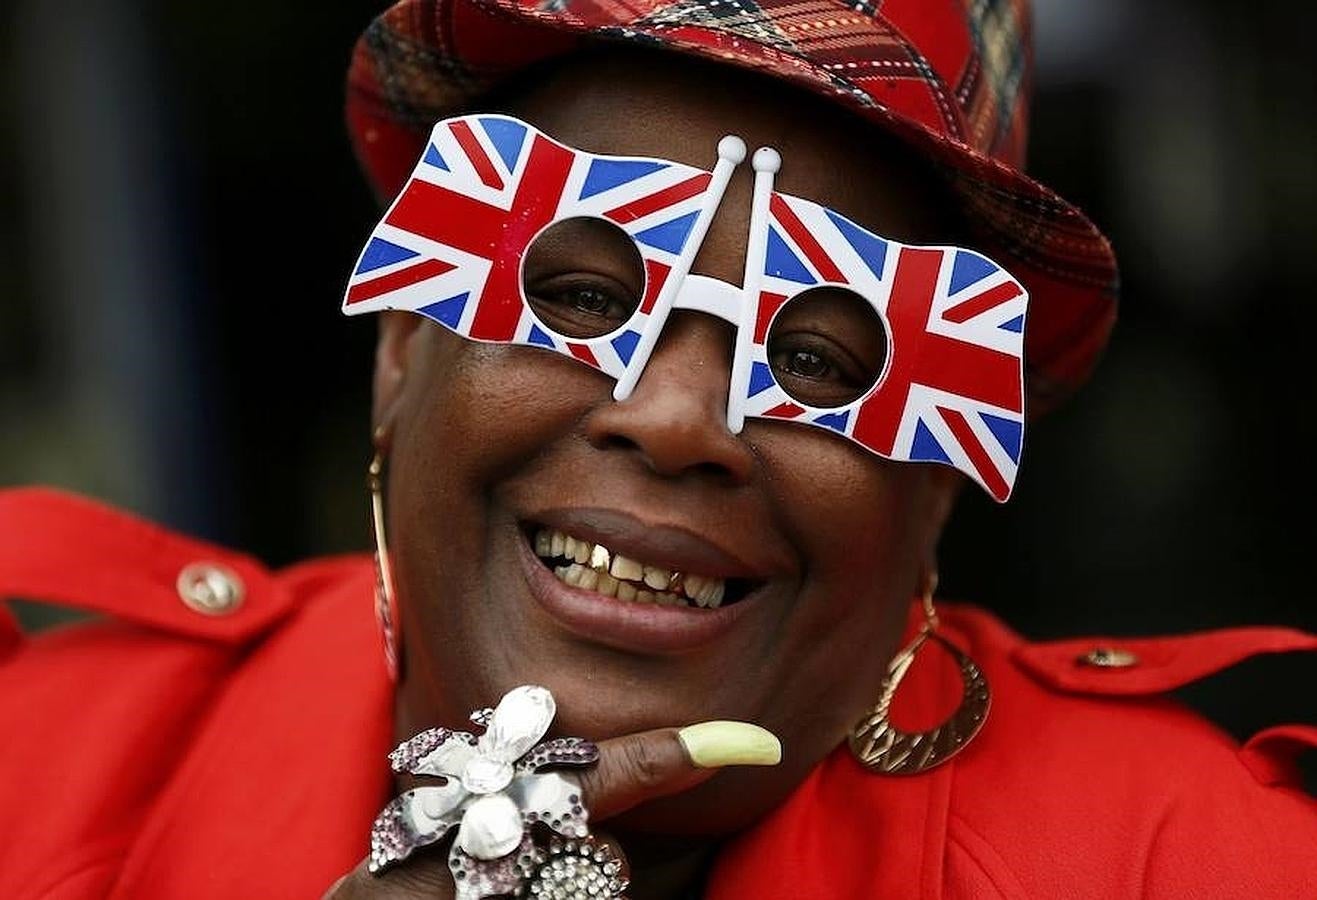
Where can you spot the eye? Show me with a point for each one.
(577, 298)
(814, 370)
(583, 277)
(802, 363)
(590, 300)
(827, 347)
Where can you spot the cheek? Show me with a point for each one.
(865, 528)
(864, 523)
(471, 417)
(473, 412)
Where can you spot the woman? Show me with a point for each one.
(236, 745)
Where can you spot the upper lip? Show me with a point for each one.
(673, 545)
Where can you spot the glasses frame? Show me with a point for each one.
(486, 166)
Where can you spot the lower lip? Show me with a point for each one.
(625, 624)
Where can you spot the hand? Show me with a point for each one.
(631, 770)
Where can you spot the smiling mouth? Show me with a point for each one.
(591, 566)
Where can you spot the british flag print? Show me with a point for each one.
(952, 387)
(450, 247)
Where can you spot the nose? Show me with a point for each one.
(675, 419)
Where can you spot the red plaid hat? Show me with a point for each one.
(950, 77)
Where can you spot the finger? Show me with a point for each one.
(650, 764)
(418, 880)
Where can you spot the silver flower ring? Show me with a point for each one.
(496, 788)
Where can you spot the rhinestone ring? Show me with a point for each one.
(521, 822)
(574, 870)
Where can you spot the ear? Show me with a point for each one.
(391, 364)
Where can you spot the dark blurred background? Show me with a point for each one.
(179, 210)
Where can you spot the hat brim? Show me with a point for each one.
(424, 60)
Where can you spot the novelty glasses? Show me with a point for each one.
(502, 234)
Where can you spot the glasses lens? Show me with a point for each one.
(827, 347)
(583, 277)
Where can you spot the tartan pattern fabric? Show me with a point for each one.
(950, 77)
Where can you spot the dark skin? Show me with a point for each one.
(842, 538)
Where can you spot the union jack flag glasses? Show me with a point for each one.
(452, 245)
(504, 235)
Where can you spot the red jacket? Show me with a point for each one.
(162, 752)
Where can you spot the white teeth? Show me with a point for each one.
(594, 567)
(657, 578)
(706, 592)
(624, 567)
(589, 578)
(693, 585)
(575, 549)
(715, 595)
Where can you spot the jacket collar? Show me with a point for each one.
(275, 795)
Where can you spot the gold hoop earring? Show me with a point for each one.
(883, 748)
(386, 601)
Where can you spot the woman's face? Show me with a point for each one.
(822, 545)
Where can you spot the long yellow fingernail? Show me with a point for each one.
(711, 745)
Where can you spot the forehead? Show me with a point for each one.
(637, 103)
